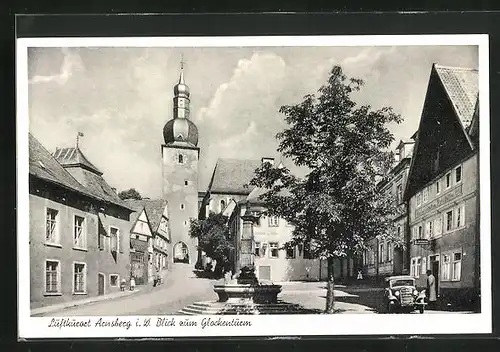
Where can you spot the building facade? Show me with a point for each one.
(180, 157)
(442, 188)
(383, 258)
(230, 182)
(273, 262)
(77, 237)
(141, 245)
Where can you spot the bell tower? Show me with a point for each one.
(180, 156)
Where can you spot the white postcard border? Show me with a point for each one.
(265, 325)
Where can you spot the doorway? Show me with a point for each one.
(181, 253)
(100, 284)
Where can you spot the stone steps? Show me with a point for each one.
(221, 308)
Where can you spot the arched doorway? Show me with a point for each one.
(181, 253)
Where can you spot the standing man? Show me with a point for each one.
(431, 289)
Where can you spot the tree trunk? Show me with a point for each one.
(330, 288)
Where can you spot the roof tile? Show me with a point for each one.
(232, 175)
(462, 86)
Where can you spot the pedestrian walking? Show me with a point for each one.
(123, 283)
(431, 289)
(132, 283)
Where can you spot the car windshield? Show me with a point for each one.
(407, 282)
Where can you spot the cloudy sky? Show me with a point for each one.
(120, 98)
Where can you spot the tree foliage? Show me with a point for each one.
(337, 206)
(214, 238)
(130, 194)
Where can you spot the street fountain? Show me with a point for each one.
(243, 293)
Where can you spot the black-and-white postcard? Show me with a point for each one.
(249, 186)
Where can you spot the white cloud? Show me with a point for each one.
(71, 61)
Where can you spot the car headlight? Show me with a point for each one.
(396, 293)
(415, 292)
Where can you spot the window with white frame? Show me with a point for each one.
(52, 277)
(381, 253)
(448, 180)
(445, 268)
(114, 234)
(425, 195)
(449, 220)
(51, 227)
(290, 252)
(438, 225)
(389, 252)
(273, 221)
(257, 249)
(415, 267)
(114, 280)
(264, 250)
(458, 174)
(424, 266)
(419, 199)
(456, 269)
(438, 187)
(79, 232)
(418, 266)
(273, 252)
(79, 278)
(429, 229)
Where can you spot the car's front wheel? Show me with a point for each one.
(390, 309)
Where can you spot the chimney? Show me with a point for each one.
(268, 160)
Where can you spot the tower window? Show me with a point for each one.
(182, 206)
(186, 182)
(180, 159)
(222, 205)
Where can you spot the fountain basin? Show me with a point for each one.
(238, 293)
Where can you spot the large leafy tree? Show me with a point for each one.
(336, 207)
(130, 194)
(214, 238)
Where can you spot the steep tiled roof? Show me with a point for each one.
(87, 174)
(154, 209)
(231, 176)
(44, 166)
(137, 207)
(74, 157)
(462, 86)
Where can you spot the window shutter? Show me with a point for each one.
(121, 241)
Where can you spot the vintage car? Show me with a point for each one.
(401, 294)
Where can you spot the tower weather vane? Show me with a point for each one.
(79, 134)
